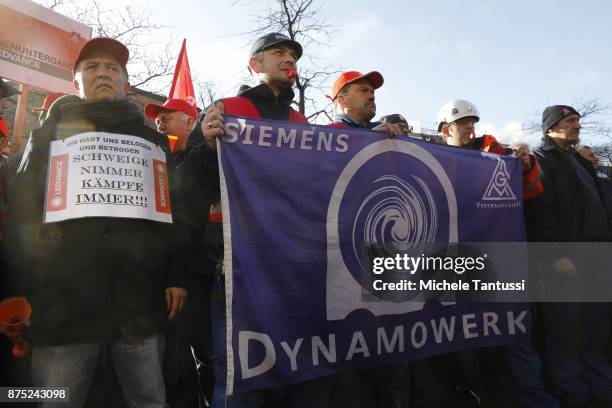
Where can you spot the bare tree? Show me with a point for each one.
(603, 153)
(207, 91)
(52, 4)
(592, 112)
(302, 21)
(150, 62)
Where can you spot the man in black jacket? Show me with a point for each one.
(94, 281)
(273, 65)
(570, 210)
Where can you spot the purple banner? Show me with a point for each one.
(313, 216)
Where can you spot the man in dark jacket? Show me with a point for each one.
(353, 95)
(187, 362)
(94, 280)
(570, 209)
(273, 65)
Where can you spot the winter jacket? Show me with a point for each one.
(557, 215)
(93, 278)
(201, 165)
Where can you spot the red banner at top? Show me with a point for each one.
(182, 85)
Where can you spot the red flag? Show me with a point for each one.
(182, 85)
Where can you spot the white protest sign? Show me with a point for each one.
(97, 174)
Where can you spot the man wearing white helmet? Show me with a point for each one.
(462, 114)
(456, 122)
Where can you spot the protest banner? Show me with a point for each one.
(39, 46)
(98, 174)
(182, 84)
(329, 233)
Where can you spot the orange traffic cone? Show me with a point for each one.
(14, 317)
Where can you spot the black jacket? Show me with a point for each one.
(267, 104)
(200, 169)
(92, 278)
(557, 215)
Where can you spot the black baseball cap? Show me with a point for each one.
(272, 39)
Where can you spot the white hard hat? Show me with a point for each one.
(456, 109)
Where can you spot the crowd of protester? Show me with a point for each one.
(131, 312)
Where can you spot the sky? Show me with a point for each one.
(509, 58)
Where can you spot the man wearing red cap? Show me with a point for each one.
(354, 105)
(94, 282)
(190, 336)
(175, 119)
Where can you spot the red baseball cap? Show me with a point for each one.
(171, 105)
(374, 78)
(103, 45)
(49, 99)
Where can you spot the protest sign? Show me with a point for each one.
(98, 174)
